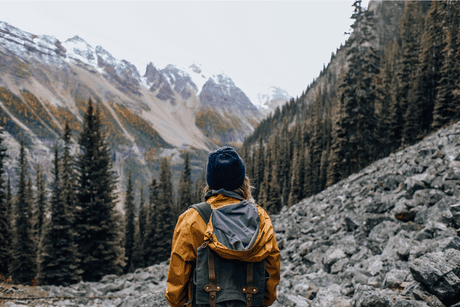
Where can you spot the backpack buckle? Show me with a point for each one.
(250, 290)
(212, 288)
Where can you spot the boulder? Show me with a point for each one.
(330, 297)
(365, 296)
(427, 197)
(439, 272)
(395, 278)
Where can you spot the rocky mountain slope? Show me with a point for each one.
(45, 82)
(386, 236)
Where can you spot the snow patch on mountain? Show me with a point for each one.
(272, 98)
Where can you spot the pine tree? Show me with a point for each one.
(433, 43)
(384, 95)
(315, 144)
(444, 108)
(295, 194)
(323, 168)
(149, 242)
(456, 92)
(98, 224)
(185, 187)
(165, 221)
(138, 258)
(142, 221)
(283, 158)
(57, 255)
(5, 230)
(32, 213)
(199, 186)
(410, 25)
(301, 162)
(40, 204)
(264, 189)
(414, 84)
(129, 225)
(259, 169)
(23, 260)
(273, 202)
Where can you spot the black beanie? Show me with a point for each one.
(225, 169)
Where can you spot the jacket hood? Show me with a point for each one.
(238, 229)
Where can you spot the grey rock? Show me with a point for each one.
(419, 293)
(113, 287)
(412, 185)
(439, 272)
(366, 296)
(379, 205)
(156, 299)
(427, 197)
(330, 297)
(108, 278)
(410, 303)
(350, 224)
(395, 278)
(454, 243)
(455, 210)
(452, 187)
(339, 266)
(437, 183)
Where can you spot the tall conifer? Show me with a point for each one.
(142, 220)
(410, 25)
(5, 231)
(384, 95)
(57, 252)
(98, 223)
(185, 187)
(259, 169)
(23, 260)
(149, 242)
(444, 110)
(295, 194)
(129, 225)
(165, 220)
(40, 203)
(138, 255)
(273, 202)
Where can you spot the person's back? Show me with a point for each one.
(234, 259)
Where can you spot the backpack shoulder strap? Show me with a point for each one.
(204, 209)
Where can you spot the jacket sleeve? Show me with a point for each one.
(188, 236)
(272, 264)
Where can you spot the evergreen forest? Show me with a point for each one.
(69, 230)
(385, 100)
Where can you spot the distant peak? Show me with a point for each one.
(195, 68)
(76, 39)
(170, 66)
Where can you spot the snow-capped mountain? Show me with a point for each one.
(45, 82)
(272, 98)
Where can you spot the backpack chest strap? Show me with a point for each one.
(212, 288)
(249, 290)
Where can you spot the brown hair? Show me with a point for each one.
(244, 190)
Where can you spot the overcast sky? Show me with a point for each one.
(256, 43)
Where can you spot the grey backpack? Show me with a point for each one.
(225, 282)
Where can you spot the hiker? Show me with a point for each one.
(234, 259)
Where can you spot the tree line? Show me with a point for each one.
(382, 102)
(72, 231)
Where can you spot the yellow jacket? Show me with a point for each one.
(189, 234)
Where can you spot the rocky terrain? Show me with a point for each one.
(386, 236)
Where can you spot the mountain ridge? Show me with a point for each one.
(45, 82)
